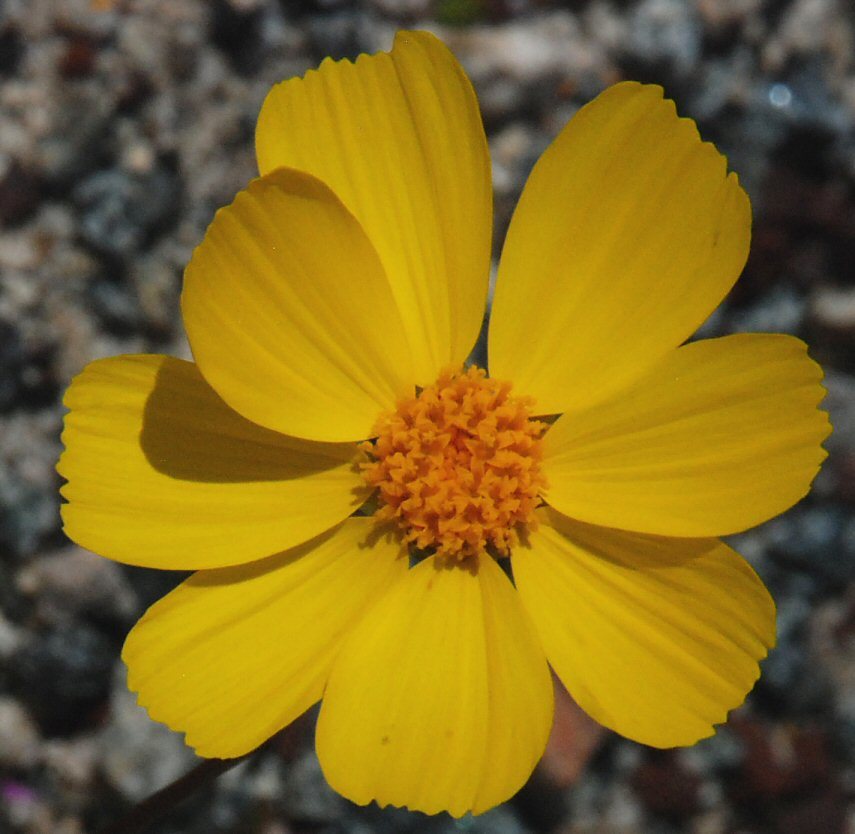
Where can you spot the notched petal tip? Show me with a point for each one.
(666, 635)
(398, 138)
(162, 473)
(268, 296)
(441, 699)
(638, 203)
(233, 655)
(720, 436)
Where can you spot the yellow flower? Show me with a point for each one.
(336, 300)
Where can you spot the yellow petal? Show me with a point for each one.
(162, 473)
(655, 638)
(290, 316)
(398, 137)
(440, 699)
(627, 236)
(721, 435)
(233, 655)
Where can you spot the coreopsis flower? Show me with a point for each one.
(348, 491)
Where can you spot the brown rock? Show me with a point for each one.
(781, 759)
(574, 739)
(666, 786)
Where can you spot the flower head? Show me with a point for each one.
(330, 310)
(458, 466)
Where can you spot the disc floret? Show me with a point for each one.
(457, 466)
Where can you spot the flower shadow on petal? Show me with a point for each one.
(189, 433)
(228, 576)
(367, 540)
(613, 549)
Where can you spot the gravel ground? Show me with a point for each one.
(124, 125)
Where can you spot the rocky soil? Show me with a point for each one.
(124, 124)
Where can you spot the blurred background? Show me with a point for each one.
(125, 124)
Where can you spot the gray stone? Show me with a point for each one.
(20, 747)
(75, 582)
(138, 755)
(666, 31)
(118, 210)
(306, 796)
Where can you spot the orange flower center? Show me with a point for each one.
(458, 466)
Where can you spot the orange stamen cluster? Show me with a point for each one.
(458, 465)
